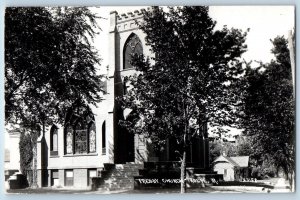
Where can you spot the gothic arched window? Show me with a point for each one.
(80, 137)
(80, 131)
(69, 140)
(54, 140)
(92, 137)
(132, 46)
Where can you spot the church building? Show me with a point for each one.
(71, 154)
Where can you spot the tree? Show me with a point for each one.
(49, 64)
(215, 150)
(25, 152)
(28, 153)
(242, 147)
(270, 109)
(188, 81)
(49, 61)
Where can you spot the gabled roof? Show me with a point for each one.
(232, 161)
(237, 161)
(242, 161)
(222, 159)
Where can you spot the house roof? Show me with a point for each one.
(242, 161)
(237, 161)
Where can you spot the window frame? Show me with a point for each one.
(69, 181)
(83, 115)
(53, 131)
(134, 44)
(52, 176)
(103, 135)
(91, 127)
(80, 137)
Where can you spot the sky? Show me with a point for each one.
(265, 23)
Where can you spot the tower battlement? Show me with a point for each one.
(131, 15)
(127, 21)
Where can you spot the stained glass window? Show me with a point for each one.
(69, 141)
(132, 46)
(92, 138)
(80, 138)
(80, 132)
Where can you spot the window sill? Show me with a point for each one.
(54, 156)
(78, 155)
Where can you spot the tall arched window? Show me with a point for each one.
(54, 141)
(103, 138)
(81, 137)
(92, 137)
(80, 131)
(69, 139)
(132, 46)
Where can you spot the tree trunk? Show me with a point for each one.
(183, 164)
(292, 182)
(34, 166)
(291, 179)
(286, 173)
(183, 173)
(183, 161)
(35, 137)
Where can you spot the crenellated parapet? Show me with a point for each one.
(130, 15)
(127, 21)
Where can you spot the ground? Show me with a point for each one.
(278, 183)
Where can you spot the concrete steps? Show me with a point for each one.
(131, 176)
(118, 176)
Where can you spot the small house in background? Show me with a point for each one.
(232, 168)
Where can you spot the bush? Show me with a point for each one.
(256, 173)
(263, 172)
(26, 153)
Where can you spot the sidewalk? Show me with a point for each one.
(280, 186)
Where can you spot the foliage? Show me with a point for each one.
(266, 169)
(188, 80)
(25, 146)
(28, 138)
(215, 150)
(242, 147)
(49, 62)
(270, 109)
